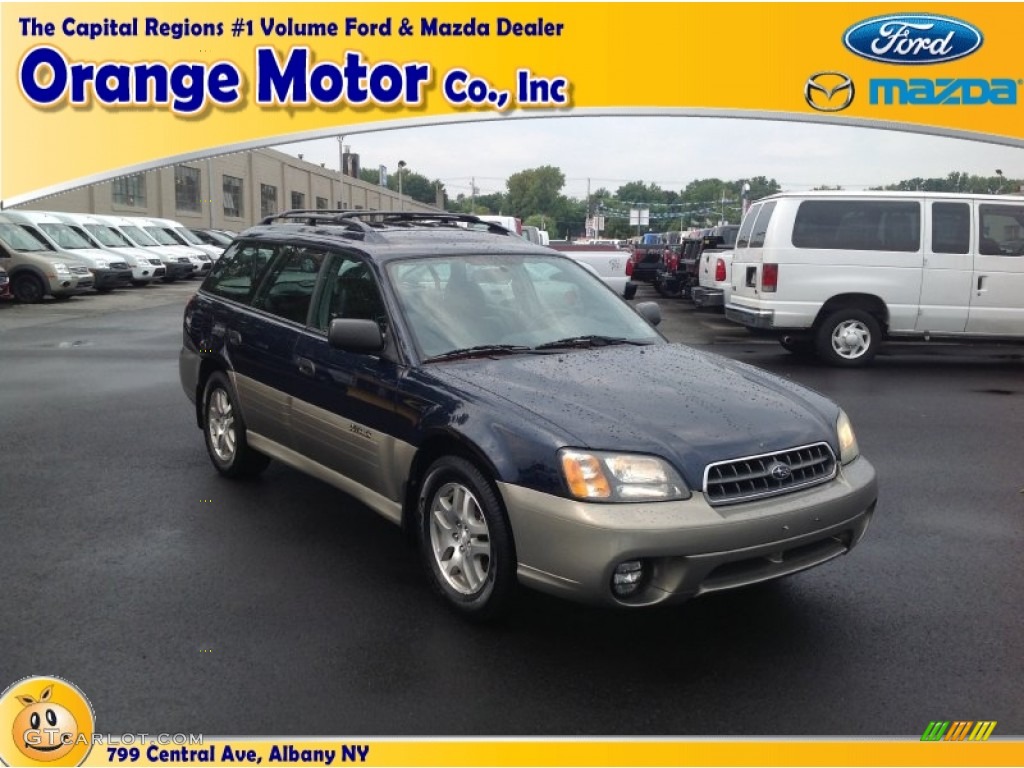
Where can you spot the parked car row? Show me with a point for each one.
(49, 253)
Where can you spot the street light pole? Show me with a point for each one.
(401, 200)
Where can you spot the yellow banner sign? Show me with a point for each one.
(92, 90)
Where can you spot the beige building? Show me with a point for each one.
(229, 192)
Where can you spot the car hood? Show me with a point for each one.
(689, 407)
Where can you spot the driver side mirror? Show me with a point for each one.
(649, 311)
(351, 335)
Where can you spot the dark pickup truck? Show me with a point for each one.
(645, 261)
(680, 275)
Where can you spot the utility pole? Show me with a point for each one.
(472, 195)
(341, 170)
(589, 211)
(401, 201)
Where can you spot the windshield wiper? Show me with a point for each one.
(483, 350)
(593, 340)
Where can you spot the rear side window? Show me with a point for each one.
(743, 238)
(858, 225)
(237, 273)
(951, 228)
(1001, 230)
(287, 291)
(760, 227)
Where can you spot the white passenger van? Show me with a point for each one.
(839, 272)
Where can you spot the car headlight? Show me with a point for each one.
(600, 476)
(848, 448)
(61, 269)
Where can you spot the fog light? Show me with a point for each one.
(627, 578)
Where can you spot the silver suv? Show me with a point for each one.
(36, 270)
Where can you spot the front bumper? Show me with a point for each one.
(178, 270)
(571, 548)
(111, 278)
(707, 297)
(645, 271)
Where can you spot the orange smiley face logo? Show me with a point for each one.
(50, 723)
(44, 730)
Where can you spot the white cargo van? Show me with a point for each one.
(188, 238)
(157, 230)
(145, 268)
(176, 265)
(839, 272)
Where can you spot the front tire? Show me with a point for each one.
(848, 338)
(465, 539)
(28, 289)
(225, 431)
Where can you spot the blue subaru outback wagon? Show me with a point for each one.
(480, 390)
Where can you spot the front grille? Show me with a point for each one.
(729, 482)
(119, 265)
(80, 271)
(184, 260)
(157, 262)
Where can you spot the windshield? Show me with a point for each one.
(513, 301)
(138, 236)
(64, 236)
(108, 236)
(20, 239)
(184, 233)
(219, 238)
(161, 236)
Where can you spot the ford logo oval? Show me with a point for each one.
(910, 38)
(780, 471)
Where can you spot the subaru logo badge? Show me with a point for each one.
(911, 38)
(829, 91)
(780, 471)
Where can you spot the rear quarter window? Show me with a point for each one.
(238, 273)
(858, 225)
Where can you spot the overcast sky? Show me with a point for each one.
(668, 151)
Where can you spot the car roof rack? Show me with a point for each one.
(365, 221)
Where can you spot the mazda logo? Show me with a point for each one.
(829, 91)
(780, 471)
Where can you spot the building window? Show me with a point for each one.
(268, 200)
(298, 200)
(187, 188)
(341, 205)
(130, 190)
(321, 203)
(232, 188)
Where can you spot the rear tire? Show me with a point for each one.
(28, 289)
(225, 431)
(465, 539)
(848, 338)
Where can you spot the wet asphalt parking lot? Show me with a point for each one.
(182, 602)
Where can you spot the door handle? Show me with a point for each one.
(306, 367)
(981, 283)
(234, 337)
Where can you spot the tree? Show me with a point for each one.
(536, 190)
(370, 176)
